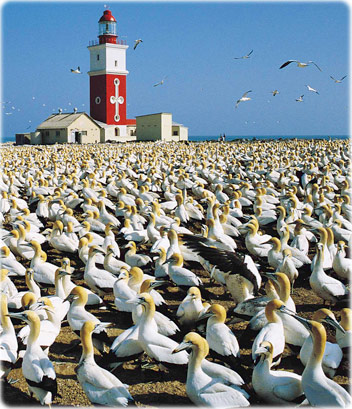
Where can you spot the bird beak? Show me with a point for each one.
(333, 323)
(167, 261)
(204, 316)
(287, 311)
(63, 273)
(159, 283)
(17, 315)
(70, 297)
(181, 347)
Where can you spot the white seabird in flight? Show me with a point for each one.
(136, 42)
(338, 81)
(312, 89)
(76, 71)
(244, 56)
(299, 64)
(300, 99)
(243, 98)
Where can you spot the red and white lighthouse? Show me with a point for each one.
(108, 76)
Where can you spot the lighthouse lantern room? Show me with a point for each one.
(108, 76)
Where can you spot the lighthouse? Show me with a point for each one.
(107, 76)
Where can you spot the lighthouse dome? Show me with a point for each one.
(107, 16)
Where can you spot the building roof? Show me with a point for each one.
(56, 121)
(159, 113)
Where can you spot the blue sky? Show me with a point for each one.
(194, 45)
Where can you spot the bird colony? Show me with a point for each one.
(208, 274)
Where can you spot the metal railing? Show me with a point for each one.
(96, 42)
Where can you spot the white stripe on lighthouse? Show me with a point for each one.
(117, 100)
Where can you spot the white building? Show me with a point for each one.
(156, 127)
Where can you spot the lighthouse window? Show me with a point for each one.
(97, 57)
(115, 63)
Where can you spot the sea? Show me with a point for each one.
(198, 138)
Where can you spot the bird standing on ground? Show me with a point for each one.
(100, 386)
(202, 389)
(37, 369)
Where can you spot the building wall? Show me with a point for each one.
(102, 88)
(85, 124)
(154, 127)
(166, 127)
(36, 138)
(123, 134)
(64, 135)
(50, 136)
(182, 133)
(108, 54)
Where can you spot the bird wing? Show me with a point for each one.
(216, 394)
(343, 77)
(163, 353)
(289, 387)
(246, 93)
(312, 62)
(38, 369)
(285, 64)
(249, 53)
(225, 260)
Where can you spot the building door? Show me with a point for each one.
(71, 137)
(78, 137)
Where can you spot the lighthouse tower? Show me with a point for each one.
(108, 76)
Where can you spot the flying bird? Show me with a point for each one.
(243, 98)
(136, 42)
(312, 89)
(244, 56)
(160, 83)
(76, 71)
(275, 92)
(299, 64)
(300, 99)
(338, 81)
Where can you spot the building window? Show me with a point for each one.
(97, 57)
(57, 133)
(84, 133)
(115, 63)
(46, 133)
(175, 133)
